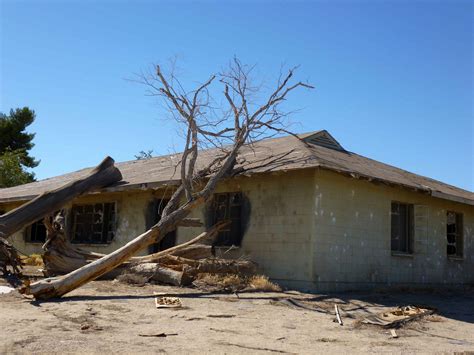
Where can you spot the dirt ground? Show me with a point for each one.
(108, 316)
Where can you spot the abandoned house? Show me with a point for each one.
(311, 214)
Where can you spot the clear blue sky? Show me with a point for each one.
(394, 79)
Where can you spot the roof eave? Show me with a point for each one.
(453, 198)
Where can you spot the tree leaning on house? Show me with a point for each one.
(247, 113)
(15, 145)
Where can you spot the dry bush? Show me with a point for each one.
(263, 283)
(435, 318)
(220, 282)
(232, 282)
(33, 260)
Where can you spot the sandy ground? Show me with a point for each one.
(108, 316)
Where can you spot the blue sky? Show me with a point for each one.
(394, 80)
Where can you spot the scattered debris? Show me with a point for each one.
(398, 316)
(327, 340)
(168, 302)
(339, 320)
(158, 335)
(221, 315)
(233, 282)
(6, 289)
(393, 333)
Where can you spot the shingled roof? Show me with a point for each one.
(310, 150)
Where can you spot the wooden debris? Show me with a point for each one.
(221, 315)
(158, 335)
(168, 302)
(393, 333)
(339, 320)
(398, 316)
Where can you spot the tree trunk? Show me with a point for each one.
(49, 202)
(59, 286)
(179, 271)
(158, 273)
(211, 266)
(62, 257)
(9, 258)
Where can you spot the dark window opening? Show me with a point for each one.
(402, 217)
(36, 232)
(454, 234)
(228, 206)
(93, 224)
(153, 216)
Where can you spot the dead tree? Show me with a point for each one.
(247, 121)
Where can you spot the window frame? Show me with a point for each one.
(105, 238)
(409, 227)
(29, 232)
(221, 240)
(458, 234)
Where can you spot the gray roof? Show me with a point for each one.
(311, 150)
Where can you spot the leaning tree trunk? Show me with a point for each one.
(62, 257)
(59, 286)
(49, 202)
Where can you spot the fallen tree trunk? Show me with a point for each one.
(156, 272)
(179, 271)
(211, 265)
(194, 252)
(62, 257)
(47, 203)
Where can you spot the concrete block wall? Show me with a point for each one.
(352, 240)
(280, 229)
(318, 230)
(130, 220)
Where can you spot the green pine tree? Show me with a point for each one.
(15, 144)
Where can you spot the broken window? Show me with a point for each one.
(454, 234)
(228, 206)
(36, 232)
(402, 227)
(93, 224)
